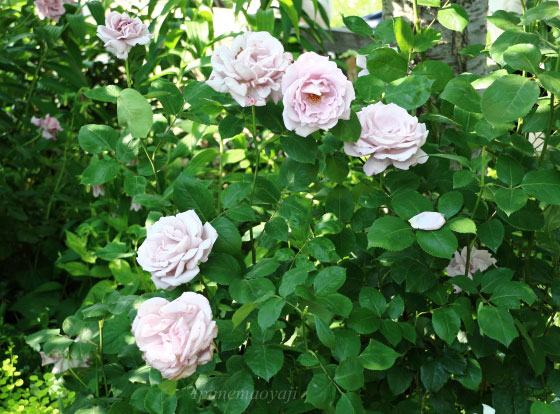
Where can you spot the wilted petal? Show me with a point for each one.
(427, 220)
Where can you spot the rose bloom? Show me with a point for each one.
(49, 126)
(389, 136)
(173, 248)
(251, 71)
(50, 9)
(427, 220)
(316, 94)
(121, 33)
(175, 337)
(480, 260)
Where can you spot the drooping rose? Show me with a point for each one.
(49, 126)
(135, 206)
(50, 9)
(121, 33)
(175, 337)
(480, 260)
(174, 247)
(361, 62)
(427, 220)
(98, 190)
(390, 135)
(316, 94)
(252, 70)
(61, 360)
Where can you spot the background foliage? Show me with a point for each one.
(338, 302)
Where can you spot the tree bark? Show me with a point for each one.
(452, 42)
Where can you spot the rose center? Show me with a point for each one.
(313, 99)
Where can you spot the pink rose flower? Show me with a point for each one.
(390, 136)
(479, 260)
(175, 337)
(174, 247)
(251, 71)
(98, 190)
(50, 9)
(121, 33)
(61, 360)
(316, 94)
(49, 126)
(427, 220)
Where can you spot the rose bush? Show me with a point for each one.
(228, 229)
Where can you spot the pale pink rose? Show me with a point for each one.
(251, 71)
(98, 190)
(50, 9)
(427, 220)
(175, 337)
(361, 62)
(135, 206)
(174, 247)
(49, 126)
(316, 94)
(480, 260)
(390, 135)
(121, 33)
(62, 361)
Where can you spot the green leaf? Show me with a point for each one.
(450, 203)
(230, 126)
(277, 229)
(241, 385)
(329, 280)
(221, 268)
(297, 176)
(446, 324)
(426, 38)
(97, 11)
(390, 233)
(378, 357)
(453, 17)
(508, 98)
(350, 374)
(265, 20)
(108, 93)
(339, 202)
(234, 194)
(357, 25)
(263, 268)
(289, 8)
(384, 32)
(543, 11)
(539, 407)
(337, 167)
(100, 172)
(407, 204)
(229, 239)
(134, 112)
(134, 184)
(399, 379)
(324, 332)
(373, 299)
(440, 72)
(543, 184)
(462, 225)
(172, 101)
(403, 34)
(97, 138)
(433, 376)
(491, 234)
(439, 243)
(550, 81)
(410, 92)
(510, 199)
(349, 403)
(509, 294)
(523, 56)
(369, 87)
(321, 392)
(472, 377)
(264, 360)
(462, 178)
(242, 313)
(509, 171)
(269, 312)
(509, 38)
(300, 149)
(190, 194)
(429, 3)
(348, 130)
(253, 290)
(158, 402)
(497, 323)
(323, 250)
(461, 93)
(291, 279)
(387, 64)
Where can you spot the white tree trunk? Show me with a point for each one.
(452, 42)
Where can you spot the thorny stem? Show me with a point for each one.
(255, 173)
